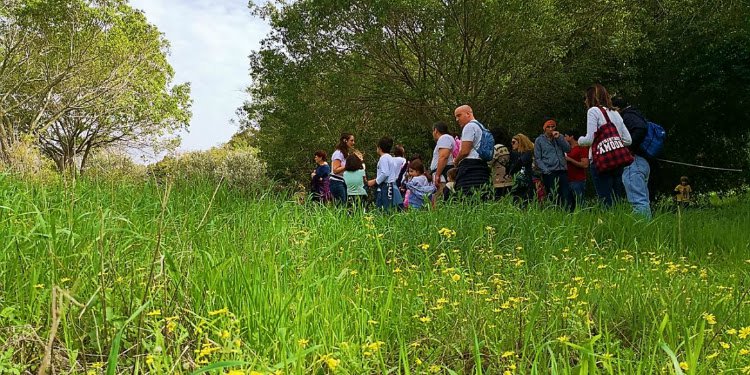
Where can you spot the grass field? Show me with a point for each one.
(145, 278)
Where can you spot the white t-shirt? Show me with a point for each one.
(595, 119)
(338, 155)
(445, 141)
(399, 162)
(472, 132)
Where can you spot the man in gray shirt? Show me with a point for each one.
(473, 173)
(549, 152)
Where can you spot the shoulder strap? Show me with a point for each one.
(606, 116)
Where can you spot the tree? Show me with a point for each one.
(375, 68)
(94, 73)
(395, 67)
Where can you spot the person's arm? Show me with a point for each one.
(337, 167)
(443, 155)
(538, 156)
(584, 163)
(466, 147)
(592, 122)
(564, 145)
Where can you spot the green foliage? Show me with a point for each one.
(83, 75)
(378, 68)
(268, 284)
(237, 168)
(114, 165)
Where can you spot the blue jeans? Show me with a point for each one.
(608, 185)
(556, 183)
(635, 179)
(338, 191)
(577, 191)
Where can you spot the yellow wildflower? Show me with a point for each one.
(456, 277)
(684, 366)
(725, 345)
(331, 362)
(731, 332)
(39, 286)
(424, 246)
(372, 322)
(219, 312)
(303, 342)
(156, 312)
(225, 334)
(744, 351)
(252, 373)
(744, 332)
(710, 318)
(64, 280)
(573, 293)
(425, 319)
(563, 339)
(508, 354)
(434, 369)
(149, 359)
(240, 372)
(712, 355)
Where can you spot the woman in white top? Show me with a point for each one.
(608, 185)
(338, 166)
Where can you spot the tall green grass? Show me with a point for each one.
(179, 279)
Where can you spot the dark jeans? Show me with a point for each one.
(556, 183)
(608, 185)
(577, 192)
(338, 191)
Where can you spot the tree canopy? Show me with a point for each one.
(378, 68)
(77, 75)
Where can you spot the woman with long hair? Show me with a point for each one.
(520, 168)
(338, 166)
(608, 184)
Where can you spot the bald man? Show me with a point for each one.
(473, 172)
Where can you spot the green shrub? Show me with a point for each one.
(240, 169)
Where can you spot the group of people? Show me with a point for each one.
(553, 165)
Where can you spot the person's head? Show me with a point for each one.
(549, 126)
(346, 143)
(353, 163)
(385, 145)
(320, 156)
(597, 96)
(416, 168)
(684, 180)
(464, 114)
(451, 175)
(572, 137)
(521, 143)
(399, 151)
(438, 129)
(620, 103)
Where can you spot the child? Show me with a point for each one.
(419, 186)
(354, 177)
(683, 192)
(450, 186)
(387, 195)
(320, 184)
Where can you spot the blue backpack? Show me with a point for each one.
(486, 149)
(653, 144)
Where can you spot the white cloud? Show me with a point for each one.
(210, 41)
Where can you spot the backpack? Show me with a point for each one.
(653, 144)
(456, 147)
(486, 149)
(608, 150)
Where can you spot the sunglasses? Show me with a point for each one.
(514, 141)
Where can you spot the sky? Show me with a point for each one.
(210, 44)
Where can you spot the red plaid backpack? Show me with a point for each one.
(608, 150)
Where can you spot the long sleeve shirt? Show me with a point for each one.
(387, 169)
(550, 153)
(595, 119)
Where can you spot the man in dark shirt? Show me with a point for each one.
(635, 176)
